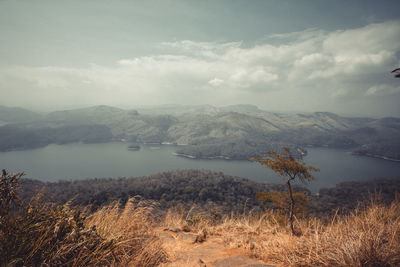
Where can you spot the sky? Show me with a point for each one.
(287, 56)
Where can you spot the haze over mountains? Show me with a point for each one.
(231, 132)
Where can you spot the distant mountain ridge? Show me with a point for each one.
(14, 115)
(231, 132)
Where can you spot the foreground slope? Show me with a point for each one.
(142, 233)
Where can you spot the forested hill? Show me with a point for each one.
(232, 132)
(204, 189)
(184, 187)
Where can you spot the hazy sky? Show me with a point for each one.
(300, 55)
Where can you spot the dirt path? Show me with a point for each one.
(197, 250)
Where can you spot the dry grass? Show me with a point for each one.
(40, 234)
(132, 228)
(364, 238)
(368, 237)
(127, 237)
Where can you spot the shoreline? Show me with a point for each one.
(375, 156)
(195, 157)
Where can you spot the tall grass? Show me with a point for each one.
(40, 234)
(365, 237)
(131, 228)
(368, 237)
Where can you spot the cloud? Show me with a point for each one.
(216, 82)
(382, 89)
(284, 71)
(356, 51)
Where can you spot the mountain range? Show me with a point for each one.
(231, 132)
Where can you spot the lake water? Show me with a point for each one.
(80, 161)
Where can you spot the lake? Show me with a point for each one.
(79, 161)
